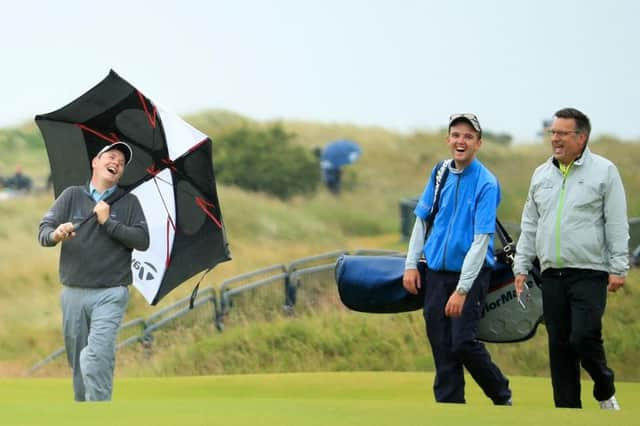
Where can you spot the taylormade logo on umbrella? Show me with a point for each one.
(146, 270)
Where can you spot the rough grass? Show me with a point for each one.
(327, 337)
(263, 231)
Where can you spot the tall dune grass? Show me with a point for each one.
(263, 231)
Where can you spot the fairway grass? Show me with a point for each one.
(376, 398)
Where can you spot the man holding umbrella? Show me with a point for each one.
(333, 157)
(95, 267)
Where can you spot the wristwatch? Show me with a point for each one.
(461, 291)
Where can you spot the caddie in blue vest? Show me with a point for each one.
(459, 255)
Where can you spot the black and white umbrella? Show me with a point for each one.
(171, 173)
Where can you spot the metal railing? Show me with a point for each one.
(290, 277)
(177, 310)
(228, 293)
(293, 273)
(149, 325)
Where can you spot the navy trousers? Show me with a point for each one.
(574, 301)
(453, 340)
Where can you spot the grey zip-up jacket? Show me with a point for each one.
(99, 255)
(577, 221)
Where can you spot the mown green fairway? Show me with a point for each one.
(370, 399)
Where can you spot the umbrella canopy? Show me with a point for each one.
(171, 173)
(339, 153)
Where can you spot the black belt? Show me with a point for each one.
(565, 272)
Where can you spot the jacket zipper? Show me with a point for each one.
(565, 174)
(455, 209)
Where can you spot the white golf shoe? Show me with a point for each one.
(610, 404)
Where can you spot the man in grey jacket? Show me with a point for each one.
(95, 267)
(575, 222)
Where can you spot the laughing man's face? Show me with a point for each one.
(566, 142)
(109, 166)
(464, 141)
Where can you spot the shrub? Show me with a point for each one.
(265, 160)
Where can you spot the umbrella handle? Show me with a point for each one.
(83, 221)
(110, 200)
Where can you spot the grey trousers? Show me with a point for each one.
(91, 318)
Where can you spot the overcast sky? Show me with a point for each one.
(405, 65)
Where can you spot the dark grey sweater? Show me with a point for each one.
(99, 255)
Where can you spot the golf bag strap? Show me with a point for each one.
(441, 178)
(508, 246)
(503, 234)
